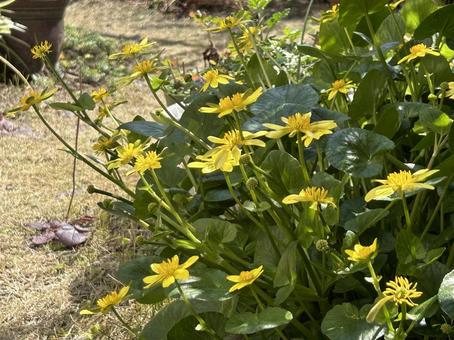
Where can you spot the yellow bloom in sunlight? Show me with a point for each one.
(151, 160)
(168, 271)
(104, 143)
(450, 91)
(145, 67)
(418, 51)
(41, 50)
(361, 253)
(245, 278)
(301, 123)
(339, 86)
(231, 143)
(237, 103)
(105, 303)
(99, 94)
(132, 49)
(227, 23)
(313, 195)
(126, 154)
(400, 183)
(330, 14)
(208, 163)
(32, 98)
(213, 79)
(245, 42)
(400, 291)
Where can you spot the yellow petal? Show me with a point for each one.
(233, 278)
(181, 274)
(168, 281)
(376, 308)
(291, 199)
(152, 279)
(190, 262)
(86, 312)
(381, 191)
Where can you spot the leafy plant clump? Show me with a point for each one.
(306, 199)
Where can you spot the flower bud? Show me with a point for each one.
(252, 183)
(446, 328)
(322, 246)
(444, 86)
(245, 159)
(91, 189)
(432, 97)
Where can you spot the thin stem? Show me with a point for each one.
(200, 320)
(303, 33)
(406, 211)
(259, 58)
(301, 158)
(82, 158)
(73, 173)
(123, 322)
(240, 55)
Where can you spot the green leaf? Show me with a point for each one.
(358, 152)
(389, 121)
(363, 221)
(281, 102)
(415, 11)
(352, 11)
(215, 231)
(436, 121)
(409, 247)
(369, 95)
(285, 172)
(258, 77)
(66, 107)
(249, 323)
(422, 310)
(345, 322)
(446, 294)
(391, 29)
(441, 21)
(286, 269)
(333, 38)
(218, 195)
(437, 67)
(145, 128)
(86, 101)
(169, 316)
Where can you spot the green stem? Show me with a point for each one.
(79, 156)
(240, 55)
(259, 58)
(303, 33)
(200, 320)
(123, 322)
(301, 158)
(406, 211)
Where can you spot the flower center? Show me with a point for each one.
(418, 48)
(338, 84)
(246, 276)
(298, 122)
(316, 194)
(232, 138)
(400, 179)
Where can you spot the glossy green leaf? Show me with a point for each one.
(365, 220)
(286, 269)
(333, 38)
(446, 294)
(86, 101)
(145, 128)
(358, 152)
(346, 322)
(352, 11)
(415, 11)
(441, 21)
(436, 121)
(369, 95)
(281, 102)
(389, 121)
(391, 29)
(285, 172)
(409, 247)
(249, 323)
(214, 230)
(66, 107)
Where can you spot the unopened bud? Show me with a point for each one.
(446, 328)
(432, 97)
(252, 183)
(444, 86)
(91, 189)
(322, 246)
(245, 159)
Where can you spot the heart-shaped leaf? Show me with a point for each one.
(249, 323)
(358, 152)
(446, 294)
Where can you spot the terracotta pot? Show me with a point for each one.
(43, 20)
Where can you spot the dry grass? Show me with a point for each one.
(43, 289)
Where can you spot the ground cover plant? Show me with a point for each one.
(305, 191)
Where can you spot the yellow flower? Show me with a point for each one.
(394, 5)
(450, 91)
(237, 103)
(330, 14)
(126, 154)
(99, 94)
(41, 50)
(231, 144)
(400, 291)
(208, 163)
(400, 183)
(151, 160)
(313, 195)
(132, 49)
(418, 51)
(227, 23)
(245, 278)
(213, 79)
(339, 86)
(245, 42)
(301, 123)
(31, 99)
(168, 271)
(105, 303)
(145, 67)
(104, 143)
(361, 253)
